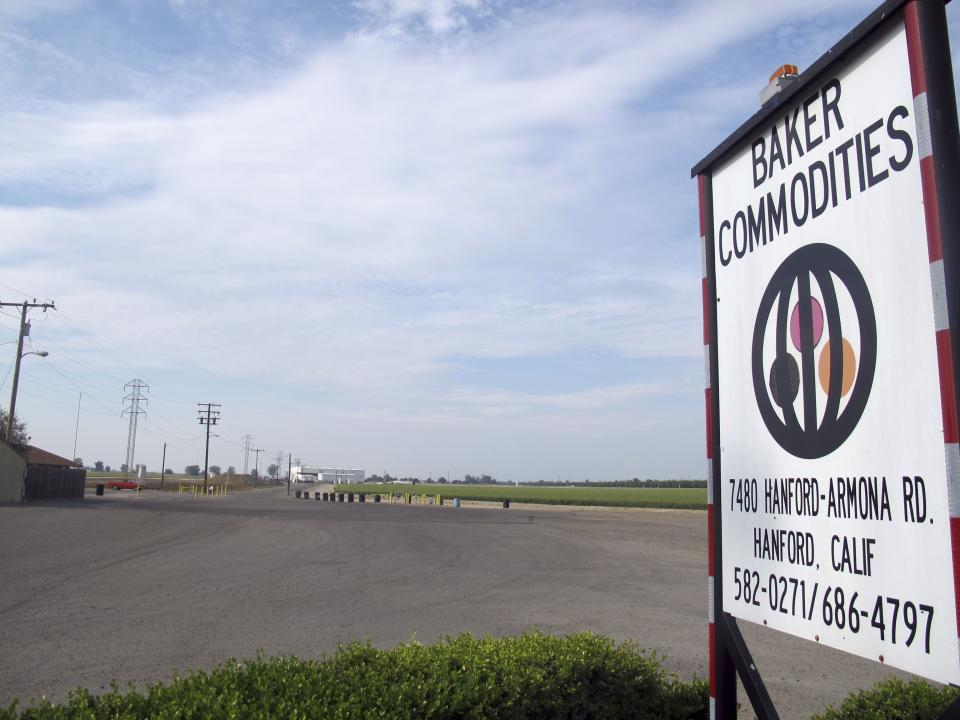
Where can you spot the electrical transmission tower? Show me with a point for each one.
(133, 399)
(279, 464)
(246, 452)
(208, 417)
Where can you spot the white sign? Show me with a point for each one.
(835, 519)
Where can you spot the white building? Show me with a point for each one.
(307, 473)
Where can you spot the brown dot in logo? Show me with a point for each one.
(848, 361)
(788, 365)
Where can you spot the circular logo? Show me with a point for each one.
(813, 365)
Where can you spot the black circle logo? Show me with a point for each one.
(830, 382)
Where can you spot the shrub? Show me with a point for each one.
(894, 699)
(578, 677)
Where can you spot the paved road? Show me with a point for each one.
(136, 588)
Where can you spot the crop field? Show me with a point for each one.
(675, 498)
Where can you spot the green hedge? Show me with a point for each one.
(578, 677)
(894, 699)
(532, 676)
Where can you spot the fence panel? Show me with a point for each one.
(54, 483)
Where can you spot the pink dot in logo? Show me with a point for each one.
(817, 314)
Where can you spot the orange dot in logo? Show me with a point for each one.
(849, 368)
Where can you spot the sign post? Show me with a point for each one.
(830, 231)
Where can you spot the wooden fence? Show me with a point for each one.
(45, 482)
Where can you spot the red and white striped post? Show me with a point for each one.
(723, 684)
(942, 224)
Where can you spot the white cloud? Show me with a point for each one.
(22, 10)
(391, 205)
(437, 16)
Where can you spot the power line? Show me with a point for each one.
(104, 386)
(107, 351)
(8, 374)
(65, 403)
(91, 395)
(172, 429)
(78, 356)
(18, 292)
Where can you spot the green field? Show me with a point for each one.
(676, 498)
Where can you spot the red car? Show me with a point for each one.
(122, 485)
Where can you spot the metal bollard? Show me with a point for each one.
(363, 497)
(506, 503)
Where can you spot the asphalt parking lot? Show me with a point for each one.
(136, 588)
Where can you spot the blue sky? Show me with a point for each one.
(413, 235)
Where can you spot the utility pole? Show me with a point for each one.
(24, 332)
(76, 430)
(289, 464)
(163, 469)
(246, 452)
(256, 465)
(134, 397)
(208, 417)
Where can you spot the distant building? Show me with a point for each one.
(307, 473)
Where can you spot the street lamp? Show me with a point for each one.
(16, 381)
